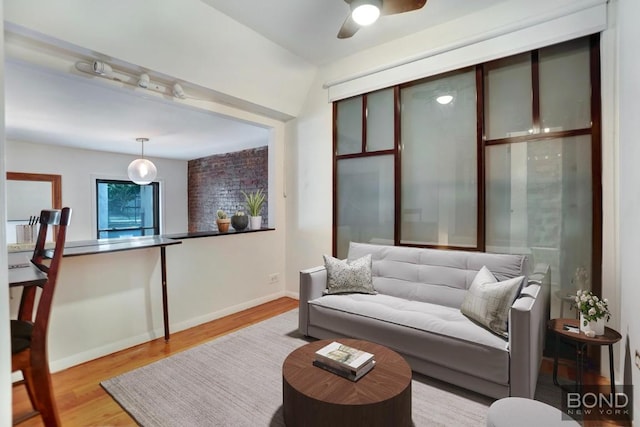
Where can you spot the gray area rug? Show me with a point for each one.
(235, 380)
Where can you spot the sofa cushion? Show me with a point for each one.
(488, 301)
(436, 333)
(433, 275)
(345, 276)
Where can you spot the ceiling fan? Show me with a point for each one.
(366, 12)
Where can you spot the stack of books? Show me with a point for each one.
(348, 362)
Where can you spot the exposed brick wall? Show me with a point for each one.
(216, 182)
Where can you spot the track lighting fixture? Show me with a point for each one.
(178, 92)
(144, 80)
(102, 68)
(142, 171)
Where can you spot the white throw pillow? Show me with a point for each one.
(484, 276)
(488, 301)
(344, 276)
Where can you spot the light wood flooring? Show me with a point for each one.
(83, 402)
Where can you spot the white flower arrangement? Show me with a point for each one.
(591, 307)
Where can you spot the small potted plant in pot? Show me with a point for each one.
(254, 203)
(222, 221)
(239, 221)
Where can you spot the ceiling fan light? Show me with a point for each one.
(365, 12)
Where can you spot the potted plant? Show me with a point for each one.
(239, 221)
(222, 221)
(254, 203)
(593, 312)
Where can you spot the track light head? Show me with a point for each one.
(102, 68)
(144, 80)
(178, 92)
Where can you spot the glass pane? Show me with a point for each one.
(565, 88)
(126, 209)
(439, 162)
(539, 202)
(508, 99)
(365, 201)
(380, 120)
(349, 125)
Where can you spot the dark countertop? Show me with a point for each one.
(99, 246)
(196, 234)
(89, 247)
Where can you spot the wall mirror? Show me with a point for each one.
(27, 195)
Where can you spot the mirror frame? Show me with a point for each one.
(55, 180)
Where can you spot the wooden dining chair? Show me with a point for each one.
(29, 330)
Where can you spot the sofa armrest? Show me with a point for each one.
(527, 326)
(313, 282)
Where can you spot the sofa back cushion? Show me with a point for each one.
(433, 275)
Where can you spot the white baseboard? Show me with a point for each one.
(95, 353)
(291, 294)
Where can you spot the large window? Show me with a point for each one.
(126, 209)
(501, 157)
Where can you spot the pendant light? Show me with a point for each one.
(142, 171)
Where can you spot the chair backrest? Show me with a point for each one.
(48, 261)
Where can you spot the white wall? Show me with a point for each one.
(79, 168)
(629, 177)
(186, 39)
(5, 351)
(108, 302)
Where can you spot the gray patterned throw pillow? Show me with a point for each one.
(488, 301)
(344, 276)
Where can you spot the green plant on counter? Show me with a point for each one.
(254, 202)
(221, 214)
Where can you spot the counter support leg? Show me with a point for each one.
(165, 307)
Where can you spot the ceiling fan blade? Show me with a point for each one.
(348, 29)
(391, 7)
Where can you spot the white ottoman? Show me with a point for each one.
(521, 412)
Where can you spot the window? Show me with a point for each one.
(126, 209)
(500, 157)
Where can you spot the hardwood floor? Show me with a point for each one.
(83, 402)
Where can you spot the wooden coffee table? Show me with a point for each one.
(315, 397)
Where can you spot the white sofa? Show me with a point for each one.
(416, 312)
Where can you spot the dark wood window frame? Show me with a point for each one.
(482, 143)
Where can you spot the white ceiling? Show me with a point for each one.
(308, 28)
(49, 107)
(52, 107)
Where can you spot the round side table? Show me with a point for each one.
(581, 341)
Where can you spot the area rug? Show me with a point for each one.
(236, 380)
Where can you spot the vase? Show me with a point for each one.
(597, 326)
(256, 222)
(239, 222)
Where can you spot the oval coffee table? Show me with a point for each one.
(315, 397)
